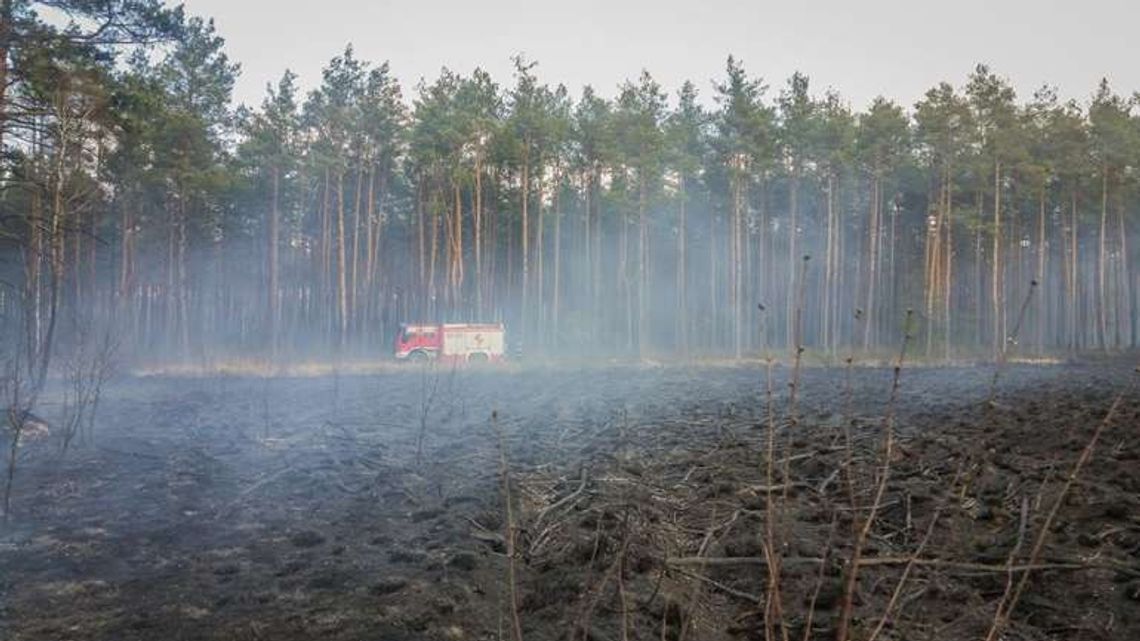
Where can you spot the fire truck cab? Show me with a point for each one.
(468, 342)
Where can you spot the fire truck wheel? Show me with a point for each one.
(418, 356)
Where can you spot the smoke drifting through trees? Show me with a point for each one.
(645, 225)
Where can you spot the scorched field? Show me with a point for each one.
(599, 503)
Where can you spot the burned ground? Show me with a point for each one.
(372, 507)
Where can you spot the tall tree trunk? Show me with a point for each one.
(1042, 269)
(525, 232)
(171, 299)
(587, 244)
(126, 259)
(873, 234)
(1074, 273)
(326, 307)
(56, 266)
(5, 50)
(33, 283)
(433, 211)
(737, 303)
(1123, 290)
(78, 304)
(682, 271)
(1102, 264)
(371, 230)
(539, 276)
(341, 275)
(354, 283)
(599, 315)
(948, 287)
(182, 287)
(478, 238)
(421, 234)
(933, 263)
(997, 289)
(830, 268)
(793, 256)
(556, 290)
(642, 266)
(624, 287)
(274, 312)
(457, 251)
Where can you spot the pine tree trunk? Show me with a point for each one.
(42, 353)
(525, 233)
(5, 50)
(682, 310)
(371, 232)
(599, 315)
(326, 300)
(793, 256)
(642, 267)
(539, 276)
(1124, 295)
(736, 302)
(274, 312)
(126, 234)
(454, 248)
(624, 287)
(1102, 264)
(712, 334)
(421, 237)
(183, 321)
(1042, 270)
(1074, 274)
(556, 293)
(587, 241)
(478, 205)
(948, 252)
(872, 262)
(830, 268)
(432, 291)
(932, 265)
(341, 272)
(354, 282)
(998, 298)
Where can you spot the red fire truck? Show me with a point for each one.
(473, 342)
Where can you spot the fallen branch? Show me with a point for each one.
(946, 564)
(731, 591)
(560, 502)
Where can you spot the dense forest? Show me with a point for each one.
(717, 218)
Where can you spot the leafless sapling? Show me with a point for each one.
(86, 371)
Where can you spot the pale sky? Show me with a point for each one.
(863, 48)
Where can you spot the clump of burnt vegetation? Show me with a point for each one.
(794, 525)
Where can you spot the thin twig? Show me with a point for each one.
(1010, 342)
(512, 578)
(1024, 524)
(843, 627)
(822, 575)
(914, 557)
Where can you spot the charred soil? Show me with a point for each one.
(372, 507)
